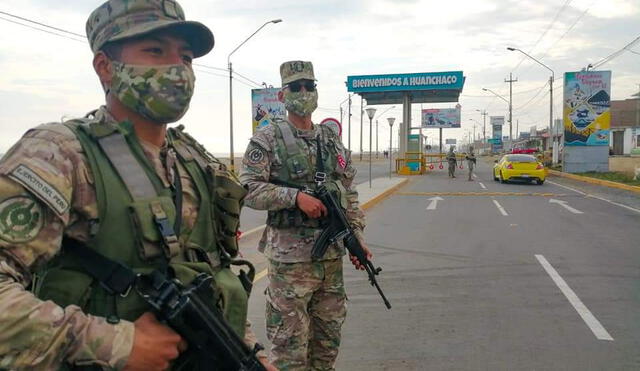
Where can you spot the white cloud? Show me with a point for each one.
(45, 77)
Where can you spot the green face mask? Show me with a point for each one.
(159, 93)
(302, 103)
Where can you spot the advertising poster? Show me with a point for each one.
(441, 118)
(496, 120)
(586, 113)
(265, 107)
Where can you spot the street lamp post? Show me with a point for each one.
(370, 112)
(232, 161)
(380, 114)
(510, 112)
(391, 120)
(484, 126)
(554, 148)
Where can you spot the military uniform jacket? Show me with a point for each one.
(47, 191)
(262, 164)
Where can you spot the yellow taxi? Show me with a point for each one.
(519, 167)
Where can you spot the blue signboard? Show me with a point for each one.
(406, 81)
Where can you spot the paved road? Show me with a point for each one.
(468, 285)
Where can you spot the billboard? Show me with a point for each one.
(586, 108)
(265, 106)
(441, 118)
(496, 120)
(405, 81)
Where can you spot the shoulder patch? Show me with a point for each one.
(21, 219)
(256, 155)
(45, 191)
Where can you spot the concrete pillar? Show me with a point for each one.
(406, 124)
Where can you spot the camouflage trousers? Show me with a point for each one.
(452, 169)
(471, 165)
(306, 307)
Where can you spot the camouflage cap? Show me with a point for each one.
(296, 70)
(122, 19)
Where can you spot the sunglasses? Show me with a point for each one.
(296, 86)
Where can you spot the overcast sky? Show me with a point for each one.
(46, 77)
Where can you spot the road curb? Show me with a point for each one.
(377, 199)
(601, 182)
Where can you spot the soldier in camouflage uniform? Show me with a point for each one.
(451, 159)
(306, 300)
(54, 184)
(471, 162)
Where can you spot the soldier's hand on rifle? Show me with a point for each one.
(356, 262)
(265, 362)
(310, 205)
(154, 345)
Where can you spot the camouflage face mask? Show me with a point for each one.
(159, 93)
(302, 103)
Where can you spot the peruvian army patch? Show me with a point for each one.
(256, 156)
(21, 219)
(45, 191)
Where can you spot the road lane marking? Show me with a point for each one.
(569, 188)
(482, 185)
(564, 204)
(598, 330)
(431, 194)
(596, 197)
(502, 211)
(434, 203)
(260, 275)
(614, 203)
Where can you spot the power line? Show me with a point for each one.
(210, 67)
(633, 51)
(85, 40)
(39, 29)
(532, 98)
(564, 6)
(42, 24)
(616, 54)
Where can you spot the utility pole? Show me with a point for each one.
(484, 126)
(361, 112)
(510, 81)
(638, 110)
(349, 131)
(376, 139)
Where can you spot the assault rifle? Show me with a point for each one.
(189, 311)
(337, 228)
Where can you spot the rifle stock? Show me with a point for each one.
(187, 310)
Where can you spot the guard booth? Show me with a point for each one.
(408, 88)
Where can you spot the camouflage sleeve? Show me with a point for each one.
(256, 170)
(37, 177)
(354, 212)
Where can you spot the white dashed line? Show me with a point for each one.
(502, 211)
(598, 330)
(482, 185)
(596, 197)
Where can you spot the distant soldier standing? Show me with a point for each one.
(471, 162)
(451, 159)
(306, 300)
(87, 204)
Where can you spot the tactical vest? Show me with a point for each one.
(136, 213)
(298, 168)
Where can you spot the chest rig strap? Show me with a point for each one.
(139, 185)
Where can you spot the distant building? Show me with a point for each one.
(625, 126)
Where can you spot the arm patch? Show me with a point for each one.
(43, 190)
(21, 219)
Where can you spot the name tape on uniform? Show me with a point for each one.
(45, 191)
